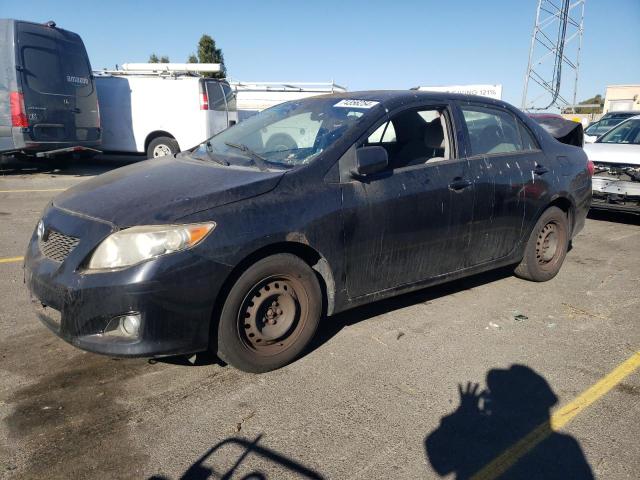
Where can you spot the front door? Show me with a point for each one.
(410, 222)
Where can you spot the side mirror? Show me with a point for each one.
(370, 160)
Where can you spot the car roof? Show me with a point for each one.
(629, 113)
(397, 98)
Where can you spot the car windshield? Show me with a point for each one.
(287, 135)
(603, 126)
(626, 132)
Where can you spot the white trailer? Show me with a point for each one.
(253, 97)
(159, 109)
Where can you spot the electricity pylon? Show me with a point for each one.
(554, 56)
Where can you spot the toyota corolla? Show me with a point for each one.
(245, 243)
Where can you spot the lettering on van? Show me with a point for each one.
(78, 81)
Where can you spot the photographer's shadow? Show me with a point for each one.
(505, 432)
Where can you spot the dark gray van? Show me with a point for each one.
(48, 100)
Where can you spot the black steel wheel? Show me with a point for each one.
(546, 248)
(270, 314)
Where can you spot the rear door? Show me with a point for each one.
(217, 116)
(502, 156)
(59, 94)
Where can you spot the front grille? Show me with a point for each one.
(58, 246)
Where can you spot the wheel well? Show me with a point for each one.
(154, 135)
(310, 256)
(566, 206)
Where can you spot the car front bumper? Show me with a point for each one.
(174, 295)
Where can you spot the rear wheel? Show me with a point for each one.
(270, 314)
(161, 146)
(546, 248)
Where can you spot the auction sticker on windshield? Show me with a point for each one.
(356, 104)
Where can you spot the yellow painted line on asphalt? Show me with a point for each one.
(559, 419)
(36, 190)
(11, 259)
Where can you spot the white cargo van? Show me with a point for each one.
(253, 97)
(161, 112)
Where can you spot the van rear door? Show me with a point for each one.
(59, 95)
(217, 116)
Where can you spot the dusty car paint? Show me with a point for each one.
(367, 238)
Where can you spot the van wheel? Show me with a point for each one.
(546, 248)
(161, 146)
(270, 315)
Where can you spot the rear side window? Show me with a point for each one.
(493, 131)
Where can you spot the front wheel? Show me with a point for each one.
(546, 248)
(270, 315)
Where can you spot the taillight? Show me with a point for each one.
(204, 101)
(18, 113)
(591, 167)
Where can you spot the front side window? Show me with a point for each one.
(627, 132)
(494, 131)
(289, 134)
(413, 137)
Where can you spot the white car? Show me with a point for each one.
(606, 123)
(616, 158)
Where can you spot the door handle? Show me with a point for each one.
(458, 184)
(75, 110)
(540, 170)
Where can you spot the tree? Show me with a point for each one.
(589, 101)
(153, 58)
(164, 59)
(192, 59)
(208, 53)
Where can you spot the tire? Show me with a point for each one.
(270, 315)
(546, 248)
(161, 146)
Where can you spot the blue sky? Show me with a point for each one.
(361, 44)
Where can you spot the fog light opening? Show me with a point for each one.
(130, 325)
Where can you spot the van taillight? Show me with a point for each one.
(204, 101)
(591, 167)
(18, 113)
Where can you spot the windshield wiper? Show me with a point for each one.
(209, 149)
(258, 160)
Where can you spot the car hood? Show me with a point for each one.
(161, 191)
(626, 153)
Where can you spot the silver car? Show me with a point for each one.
(616, 158)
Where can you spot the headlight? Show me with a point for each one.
(136, 244)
